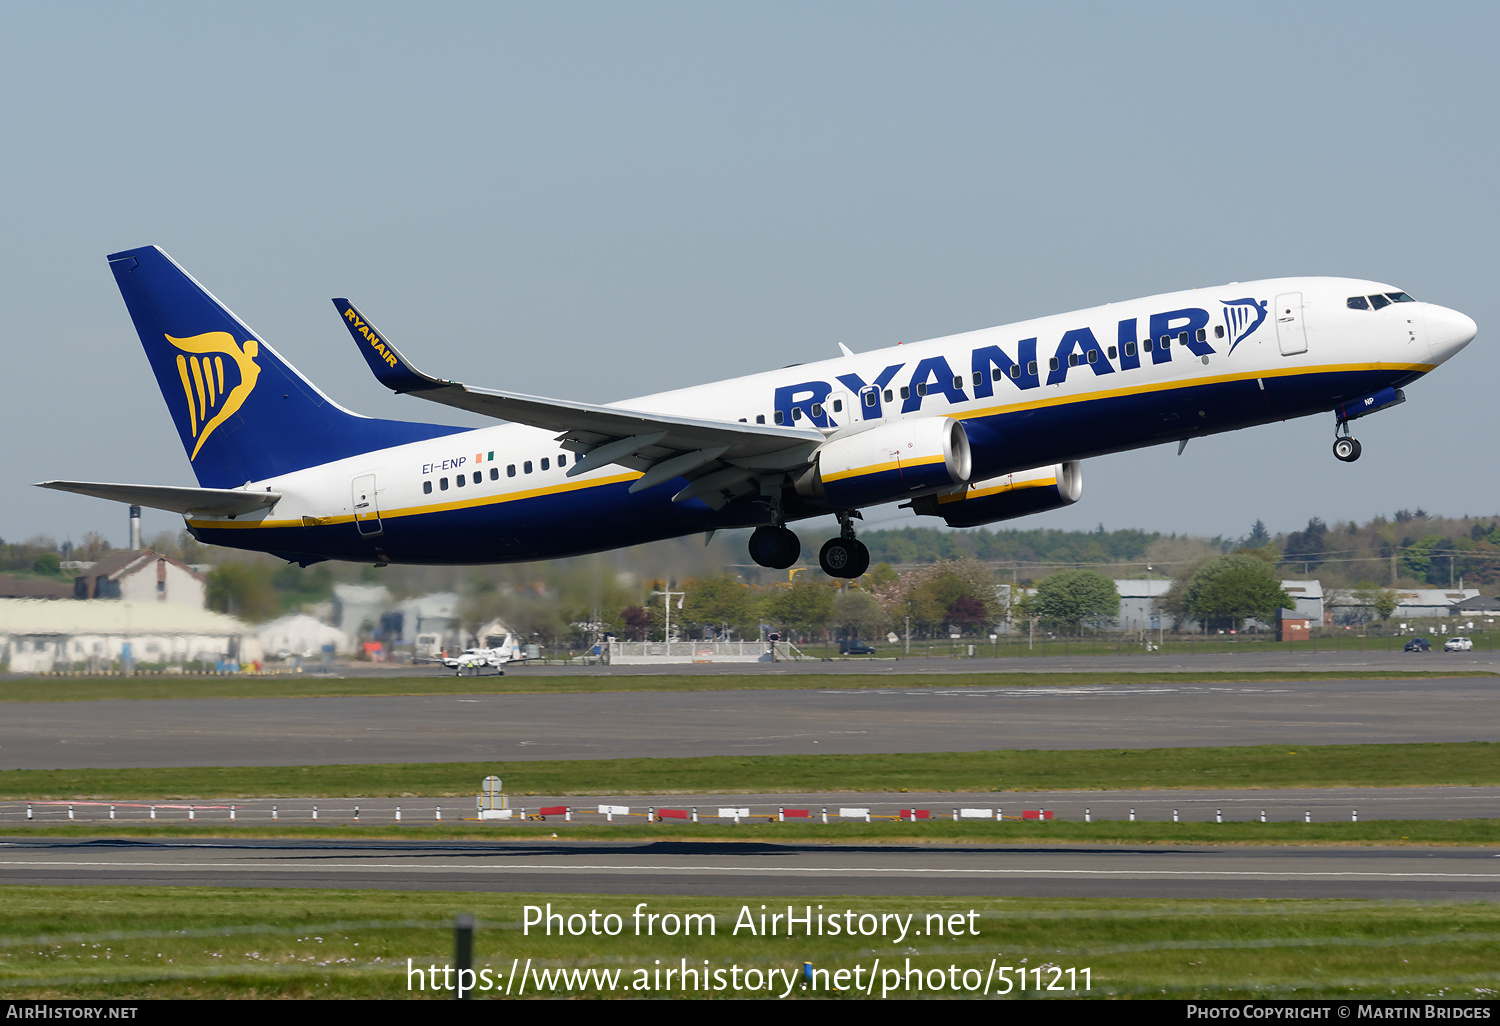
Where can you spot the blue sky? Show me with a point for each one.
(594, 201)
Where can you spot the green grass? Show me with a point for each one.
(138, 942)
(1473, 764)
(92, 689)
(1384, 833)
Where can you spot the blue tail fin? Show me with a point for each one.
(243, 413)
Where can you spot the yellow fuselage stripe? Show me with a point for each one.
(990, 411)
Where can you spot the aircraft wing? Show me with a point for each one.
(718, 457)
(213, 501)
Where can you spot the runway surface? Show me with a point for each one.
(668, 868)
(456, 728)
(1253, 657)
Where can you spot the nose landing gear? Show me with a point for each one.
(1345, 448)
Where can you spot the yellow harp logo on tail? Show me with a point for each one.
(210, 399)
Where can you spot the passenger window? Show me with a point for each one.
(869, 398)
(562, 460)
(1146, 346)
(442, 484)
(1182, 338)
(817, 409)
(526, 467)
(494, 473)
(888, 394)
(1129, 348)
(742, 420)
(546, 463)
(1202, 335)
(1015, 370)
(1072, 359)
(1093, 356)
(958, 383)
(922, 388)
(838, 406)
(1218, 331)
(426, 487)
(905, 392)
(1052, 363)
(796, 413)
(1379, 302)
(979, 376)
(760, 418)
(780, 417)
(510, 471)
(1166, 341)
(1031, 368)
(461, 480)
(478, 476)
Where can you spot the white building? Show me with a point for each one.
(142, 576)
(1414, 604)
(359, 605)
(1309, 598)
(1140, 607)
(38, 636)
(428, 624)
(301, 635)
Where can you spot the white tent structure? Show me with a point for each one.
(38, 636)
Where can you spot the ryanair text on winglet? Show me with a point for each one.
(369, 333)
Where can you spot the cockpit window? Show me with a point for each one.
(1377, 302)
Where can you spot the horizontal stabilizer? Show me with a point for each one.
(224, 502)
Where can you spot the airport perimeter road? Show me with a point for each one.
(1258, 658)
(1317, 805)
(463, 728)
(666, 868)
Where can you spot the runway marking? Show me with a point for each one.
(548, 867)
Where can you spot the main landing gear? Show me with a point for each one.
(1345, 448)
(777, 547)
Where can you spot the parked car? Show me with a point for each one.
(1418, 645)
(849, 648)
(1458, 645)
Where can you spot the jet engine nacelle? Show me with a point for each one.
(892, 461)
(1007, 496)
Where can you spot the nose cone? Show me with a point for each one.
(1448, 331)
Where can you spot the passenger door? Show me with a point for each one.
(366, 509)
(1291, 333)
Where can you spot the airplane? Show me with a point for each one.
(475, 660)
(972, 429)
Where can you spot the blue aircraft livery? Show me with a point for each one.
(973, 428)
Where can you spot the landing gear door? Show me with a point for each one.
(1290, 331)
(366, 510)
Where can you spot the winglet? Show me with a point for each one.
(391, 368)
